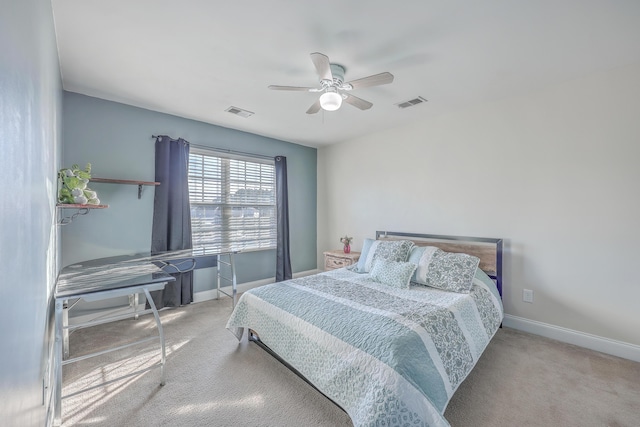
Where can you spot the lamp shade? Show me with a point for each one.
(330, 101)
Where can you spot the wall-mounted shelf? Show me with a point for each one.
(82, 210)
(127, 182)
(78, 206)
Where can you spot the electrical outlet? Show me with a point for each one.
(527, 295)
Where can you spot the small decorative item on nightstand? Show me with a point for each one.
(339, 259)
(346, 241)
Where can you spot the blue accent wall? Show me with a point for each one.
(30, 138)
(116, 139)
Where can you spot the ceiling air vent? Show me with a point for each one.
(239, 112)
(411, 102)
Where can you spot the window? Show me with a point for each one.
(233, 202)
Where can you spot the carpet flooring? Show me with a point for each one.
(212, 380)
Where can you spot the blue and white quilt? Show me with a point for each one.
(387, 356)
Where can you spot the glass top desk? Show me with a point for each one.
(117, 276)
(96, 280)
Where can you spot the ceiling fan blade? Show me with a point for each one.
(314, 108)
(323, 67)
(298, 88)
(375, 80)
(357, 102)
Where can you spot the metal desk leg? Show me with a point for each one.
(218, 271)
(65, 331)
(234, 284)
(57, 362)
(134, 302)
(232, 280)
(160, 332)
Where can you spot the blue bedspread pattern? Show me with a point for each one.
(387, 356)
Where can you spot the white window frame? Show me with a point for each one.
(220, 221)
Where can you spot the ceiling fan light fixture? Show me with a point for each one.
(332, 84)
(330, 101)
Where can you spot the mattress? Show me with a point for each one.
(387, 356)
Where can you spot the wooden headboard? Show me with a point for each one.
(489, 250)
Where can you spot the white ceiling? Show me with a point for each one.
(196, 58)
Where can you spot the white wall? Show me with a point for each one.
(556, 174)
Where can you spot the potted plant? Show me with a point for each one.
(346, 241)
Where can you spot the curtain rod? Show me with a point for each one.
(224, 150)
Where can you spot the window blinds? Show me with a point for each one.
(233, 203)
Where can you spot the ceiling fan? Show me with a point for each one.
(334, 88)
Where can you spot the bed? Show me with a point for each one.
(391, 338)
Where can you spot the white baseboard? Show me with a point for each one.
(570, 336)
(243, 287)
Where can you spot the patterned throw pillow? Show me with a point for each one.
(392, 250)
(393, 273)
(444, 270)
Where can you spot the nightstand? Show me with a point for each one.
(338, 259)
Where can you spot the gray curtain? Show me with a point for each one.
(172, 216)
(283, 260)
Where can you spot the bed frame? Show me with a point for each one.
(489, 251)
(253, 336)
